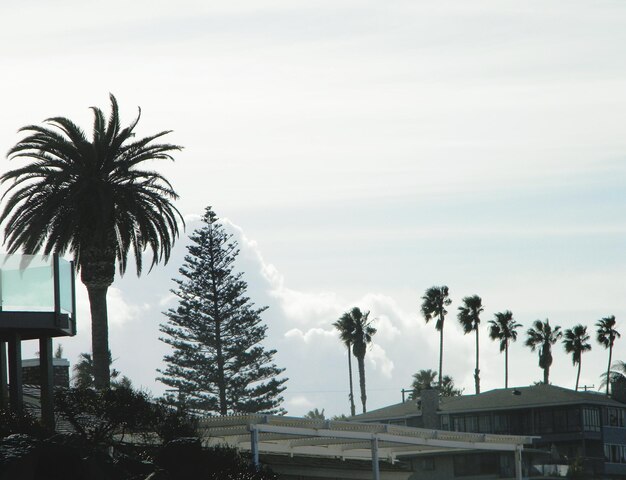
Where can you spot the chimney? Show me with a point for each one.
(430, 405)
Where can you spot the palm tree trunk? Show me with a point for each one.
(578, 374)
(361, 362)
(352, 409)
(477, 371)
(608, 370)
(506, 365)
(99, 335)
(546, 375)
(441, 355)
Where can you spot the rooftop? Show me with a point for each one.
(499, 399)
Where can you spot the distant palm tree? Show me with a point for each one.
(504, 329)
(422, 380)
(606, 336)
(543, 336)
(576, 342)
(448, 389)
(434, 303)
(469, 317)
(315, 414)
(363, 333)
(346, 327)
(94, 198)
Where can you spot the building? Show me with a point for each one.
(575, 431)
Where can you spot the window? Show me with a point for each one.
(484, 423)
(560, 420)
(445, 422)
(477, 464)
(458, 424)
(615, 453)
(501, 423)
(591, 419)
(471, 423)
(573, 419)
(615, 417)
(544, 421)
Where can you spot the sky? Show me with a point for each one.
(360, 152)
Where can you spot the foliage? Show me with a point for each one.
(606, 334)
(504, 328)
(469, 317)
(346, 328)
(434, 303)
(543, 336)
(218, 363)
(315, 414)
(98, 415)
(84, 375)
(425, 380)
(12, 422)
(91, 197)
(357, 327)
(576, 342)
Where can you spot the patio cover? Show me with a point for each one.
(348, 440)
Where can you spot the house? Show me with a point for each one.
(576, 431)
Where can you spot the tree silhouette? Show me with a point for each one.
(606, 334)
(363, 333)
(346, 327)
(543, 336)
(469, 317)
(576, 342)
(422, 380)
(504, 329)
(434, 303)
(93, 198)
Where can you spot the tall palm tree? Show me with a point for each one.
(469, 317)
(346, 328)
(541, 335)
(504, 329)
(94, 198)
(363, 333)
(606, 336)
(434, 303)
(576, 342)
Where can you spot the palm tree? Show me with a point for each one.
(91, 197)
(504, 329)
(448, 389)
(363, 333)
(346, 328)
(576, 342)
(543, 336)
(469, 317)
(434, 303)
(422, 380)
(606, 335)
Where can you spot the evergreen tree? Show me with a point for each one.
(218, 363)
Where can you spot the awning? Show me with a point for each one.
(348, 440)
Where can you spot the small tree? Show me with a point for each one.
(576, 342)
(469, 317)
(606, 336)
(218, 362)
(434, 303)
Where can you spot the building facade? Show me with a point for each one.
(576, 432)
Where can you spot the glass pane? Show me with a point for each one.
(27, 283)
(65, 286)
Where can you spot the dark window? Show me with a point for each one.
(501, 423)
(573, 419)
(428, 463)
(544, 421)
(445, 422)
(471, 423)
(615, 453)
(478, 464)
(484, 423)
(458, 424)
(560, 420)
